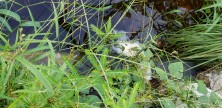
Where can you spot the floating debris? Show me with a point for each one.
(125, 46)
(132, 49)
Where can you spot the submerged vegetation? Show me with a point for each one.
(89, 54)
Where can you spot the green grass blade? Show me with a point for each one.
(103, 58)
(5, 23)
(92, 59)
(7, 77)
(33, 21)
(4, 40)
(214, 24)
(132, 97)
(11, 14)
(71, 67)
(56, 20)
(31, 24)
(3, 74)
(6, 97)
(52, 50)
(36, 73)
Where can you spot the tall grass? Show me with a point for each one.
(201, 42)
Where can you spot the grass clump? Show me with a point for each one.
(200, 42)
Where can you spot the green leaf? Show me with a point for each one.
(36, 73)
(202, 87)
(213, 24)
(31, 24)
(5, 23)
(176, 69)
(101, 88)
(99, 47)
(7, 97)
(161, 73)
(71, 67)
(103, 57)
(52, 51)
(91, 100)
(3, 78)
(131, 101)
(115, 36)
(214, 98)
(56, 19)
(10, 14)
(15, 103)
(98, 31)
(148, 54)
(62, 6)
(7, 77)
(92, 59)
(103, 8)
(33, 20)
(86, 90)
(204, 100)
(167, 103)
(108, 25)
(173, 85)
(37, 49)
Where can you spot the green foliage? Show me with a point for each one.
(108, 31)
(176, 69)
(5, 23)
(162, 74)
(26, 83)
(202, 87)
(9, 13)
(167, 103)
(36, 72)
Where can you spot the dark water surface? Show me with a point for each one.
(142, 21)
(137, 22)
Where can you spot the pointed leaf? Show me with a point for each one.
(5, 23)
(10, 14)
(131, 102)
(92, 59)
(115, 36)
(36, 72)
(98, 31)
(31, 23)
(103, 57)
(108, 25)
(33, 20)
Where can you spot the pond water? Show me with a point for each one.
(137, 22)
(142, 21)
